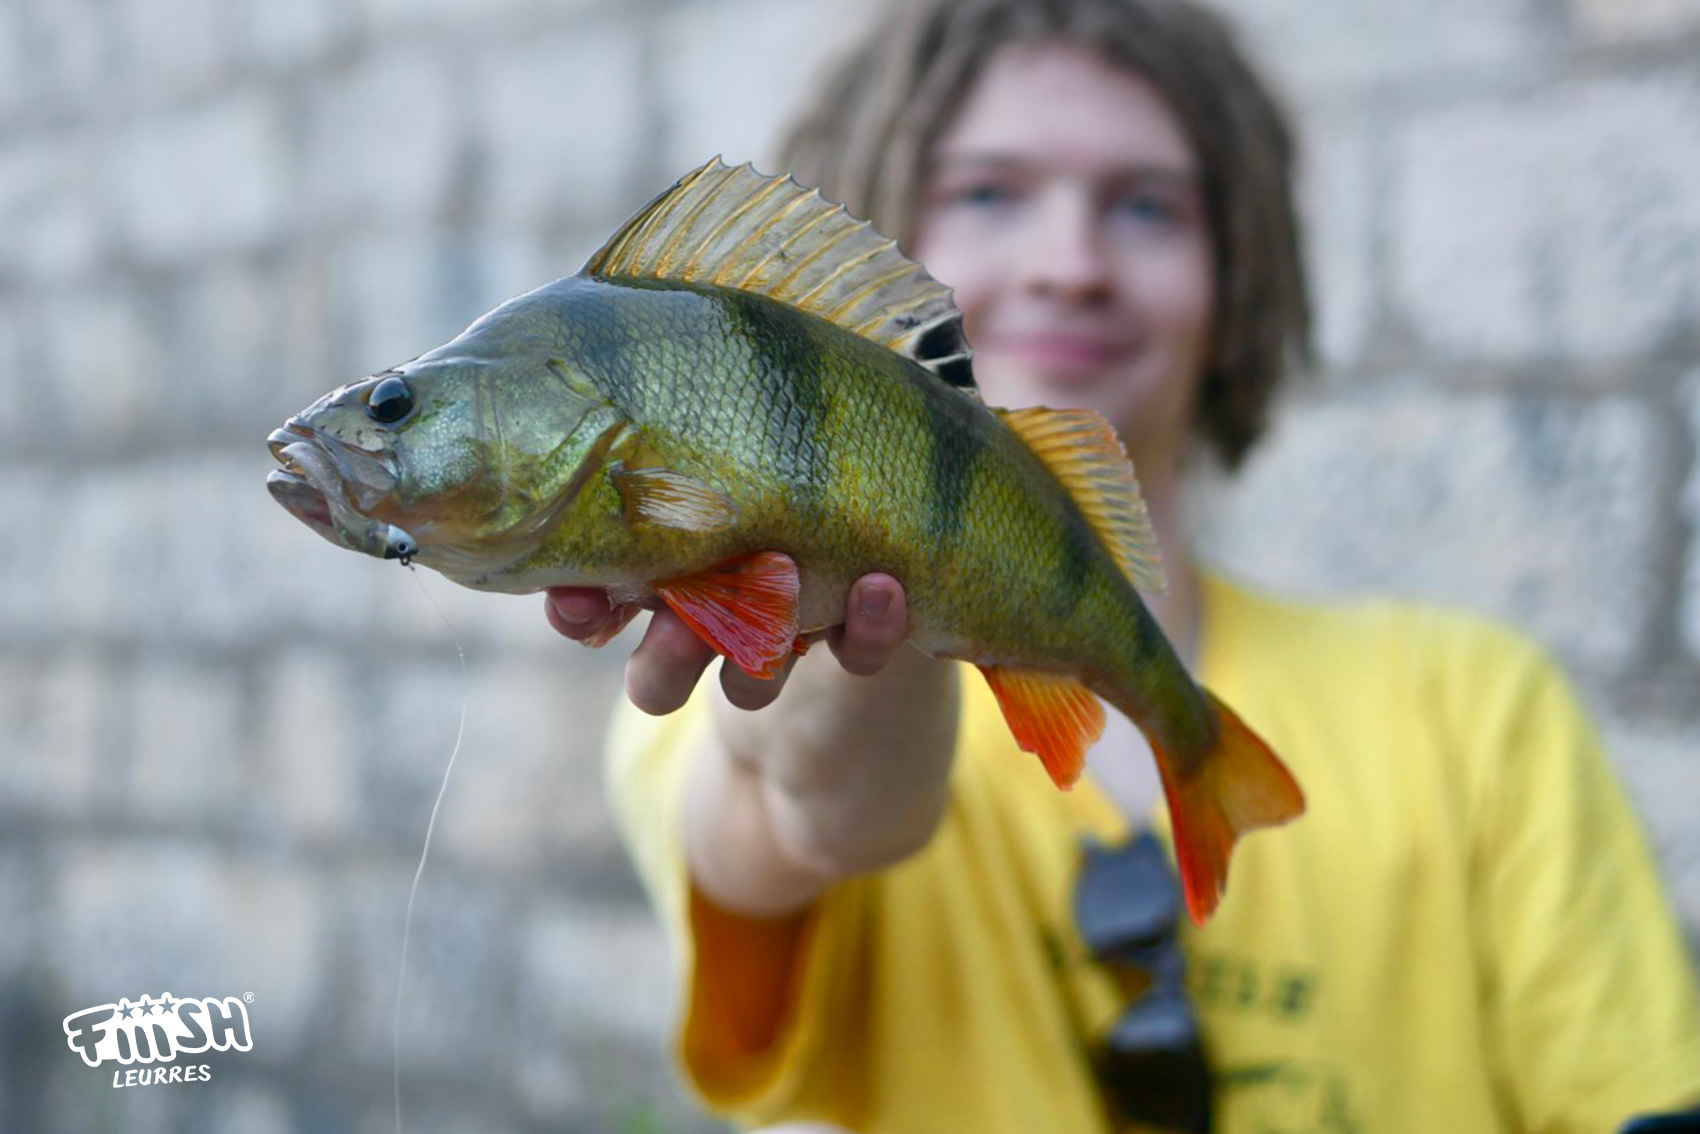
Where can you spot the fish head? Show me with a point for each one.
(461, 458)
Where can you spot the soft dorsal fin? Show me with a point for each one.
(1083, 452)
(733, 227)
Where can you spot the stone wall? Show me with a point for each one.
(220, 738)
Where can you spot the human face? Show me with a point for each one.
(1063, 205)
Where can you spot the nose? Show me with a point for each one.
(1065, 258)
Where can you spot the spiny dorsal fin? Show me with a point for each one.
(733, 227)
(1083, 452)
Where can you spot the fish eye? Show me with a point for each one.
(390, 400)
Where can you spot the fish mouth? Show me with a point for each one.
(331, 490)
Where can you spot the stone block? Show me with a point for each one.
(1562, 225)
(211, 177)
(1691, 514)
(561, 122)
(733, 94)
(383, 141)
(1612, 22)
(1660, 764)
(307, 762)
(98, 367)
(13, 64)
(29, 511)
(133, 916)
(392, 298)
(22, 892)
(1338, 47)
(248, 1108)
(592, 971)
(226, 343)
(230, 567)
(82, 1098)
(527, 793)
(514, 260)
(1338, 191)
(443, 16)
(66, 49)
(185, 724)
(55, 750)
(48, 225)
(17, 388)
(408, 737)
(287, 37)
(168, 47)
(456, 1016)
(1496, 502)
(308, 365)
(177, 548)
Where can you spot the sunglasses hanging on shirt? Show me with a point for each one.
(1127, 911)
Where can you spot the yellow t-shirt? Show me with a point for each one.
(1464, 933)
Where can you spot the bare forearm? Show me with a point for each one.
(841, 776)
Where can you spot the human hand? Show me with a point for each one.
(670, 658)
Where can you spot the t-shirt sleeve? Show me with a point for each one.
(751, 994)
(1587, 979)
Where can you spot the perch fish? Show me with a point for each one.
(745, 401)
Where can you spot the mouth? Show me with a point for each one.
(1065, 356)
(313, 485)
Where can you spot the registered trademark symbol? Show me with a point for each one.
(248, 997)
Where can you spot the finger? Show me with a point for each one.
(751, 693)
(876, 620)
(664, 668)
(576, 612)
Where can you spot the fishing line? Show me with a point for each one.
(425, 851)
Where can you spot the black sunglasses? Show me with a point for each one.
(1127, 909)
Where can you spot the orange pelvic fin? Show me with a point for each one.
(1049, 714)
(745, 608)
(1237, 786)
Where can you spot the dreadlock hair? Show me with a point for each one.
(866, 139)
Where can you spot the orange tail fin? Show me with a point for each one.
(1237, 786)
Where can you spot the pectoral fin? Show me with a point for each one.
(671, 500)
(746, 609)
(1049, 714)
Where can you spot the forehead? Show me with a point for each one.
(1063, 106)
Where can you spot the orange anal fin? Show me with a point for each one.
(1237, 786)
(746, 609)
(800, 645)
(1049, 714)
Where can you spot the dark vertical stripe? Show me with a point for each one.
(790, 360)
(954, 454)
(1078, 556)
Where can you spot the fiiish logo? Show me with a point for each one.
(157, 1031)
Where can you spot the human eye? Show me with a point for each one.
(1151, 209)
(982, 194)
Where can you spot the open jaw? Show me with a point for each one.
(314, 486)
